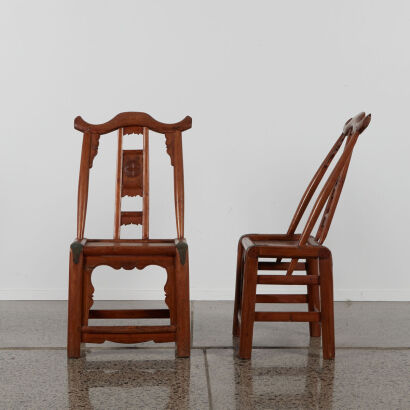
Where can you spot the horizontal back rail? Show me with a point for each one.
(127, 119)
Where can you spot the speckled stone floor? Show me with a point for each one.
(371, 369)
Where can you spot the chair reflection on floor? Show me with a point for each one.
(318, 377)
(172, 376)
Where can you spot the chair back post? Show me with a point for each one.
(353, 126)
(332, 202)
(314, 183)
(179, 184)
(145, 184)
(327, 189)
(82, 198)
(118, 184)
(332, 188)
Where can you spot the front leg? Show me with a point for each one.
(327, 309)
(75, 300)
(248, 305)
(183, 332)
(238, 289)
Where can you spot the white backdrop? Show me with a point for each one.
(268, 85)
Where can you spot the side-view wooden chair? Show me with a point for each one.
(305, 252)
(171, 254)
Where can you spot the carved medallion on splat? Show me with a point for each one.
(132, 173)
(95, 141)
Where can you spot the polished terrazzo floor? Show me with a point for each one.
(371, 369)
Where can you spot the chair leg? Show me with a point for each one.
(248, 306)
(327, 311)
(238, 290)
(313, 296)
(181, 300)
(75, 307)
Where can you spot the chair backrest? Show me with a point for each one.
(332, 188)
(132, 167)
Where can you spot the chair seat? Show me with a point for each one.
(130, 247)
(275, 245)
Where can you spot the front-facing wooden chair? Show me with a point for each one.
(171, 254)
(305, 252)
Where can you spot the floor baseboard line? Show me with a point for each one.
(203, 348)
(354, 295)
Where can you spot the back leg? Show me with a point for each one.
(238, 289)
(183, 334)
(327, 310)
(312, 268)
(250, 272)
(75, 304)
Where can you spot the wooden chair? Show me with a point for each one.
(316, 258)
(171, 254)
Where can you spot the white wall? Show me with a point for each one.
(268, 85)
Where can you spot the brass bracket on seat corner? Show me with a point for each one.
(182, 248)
(77, 248)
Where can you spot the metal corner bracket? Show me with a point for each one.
(77, 249)
(182, 248)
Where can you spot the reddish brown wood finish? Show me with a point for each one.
(171, 254)
(317, 259)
